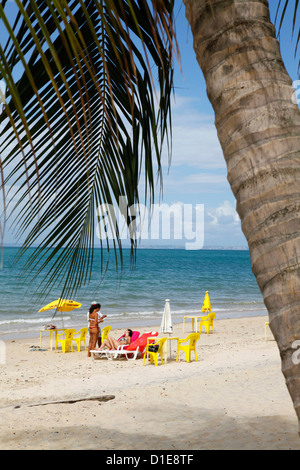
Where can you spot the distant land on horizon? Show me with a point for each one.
(155, 247)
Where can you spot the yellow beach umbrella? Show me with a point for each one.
(62, 305)
(206, 307)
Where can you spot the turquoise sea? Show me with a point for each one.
(137, 297)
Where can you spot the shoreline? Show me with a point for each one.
(133, 322)
(233, 397)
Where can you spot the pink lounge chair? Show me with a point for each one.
(132, 350)
(108, 352)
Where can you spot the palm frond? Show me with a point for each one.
(88, 108)
(291, 7)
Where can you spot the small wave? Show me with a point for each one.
(28, 321)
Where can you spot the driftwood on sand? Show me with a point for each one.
(69, 401)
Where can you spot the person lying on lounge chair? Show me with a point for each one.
(112, 343)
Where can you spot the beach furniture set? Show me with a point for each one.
(146, 345)
(65, 337)
(149, 346)
(130, 351)
(206, 321)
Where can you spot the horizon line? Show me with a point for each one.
(153, 247)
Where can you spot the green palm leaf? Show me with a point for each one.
(284, 6)
(85, 117)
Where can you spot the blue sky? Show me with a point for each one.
(197, 174)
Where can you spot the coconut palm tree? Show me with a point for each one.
(258, 126)
(81, 123)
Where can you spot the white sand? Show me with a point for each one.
(234, 397)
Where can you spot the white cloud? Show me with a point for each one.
(224, 214)
(194, 137)
(194, 183)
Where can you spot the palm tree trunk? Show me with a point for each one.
(259, 130)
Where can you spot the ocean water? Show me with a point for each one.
(137, 296)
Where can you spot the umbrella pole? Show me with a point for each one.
(53, 317)
(170, 345)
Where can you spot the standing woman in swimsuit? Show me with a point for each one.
(93, 326)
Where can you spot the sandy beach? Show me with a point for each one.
(234, 397)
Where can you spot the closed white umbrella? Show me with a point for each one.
(166, 323)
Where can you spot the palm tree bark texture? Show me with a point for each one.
(258, 127)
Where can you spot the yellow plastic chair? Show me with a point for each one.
(66, 342)
(104, 332)
(266, 327)
(187, 348)
(207, 322)
(154, 355)
(82, 337)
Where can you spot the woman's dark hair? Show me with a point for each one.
(93, 307)
(130, 332)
